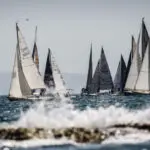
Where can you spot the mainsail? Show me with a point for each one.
(120, 76)
(134, 71)
(29, 68)
(133, 49)
(143, 39)
(35, 51)
(25, 76)
(60, 86)
(143, 82)
(19, 87)
(90, 72)
(48, 75)
(106, 82)
(15, 90)
(102, 79)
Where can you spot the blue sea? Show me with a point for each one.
(101, 112)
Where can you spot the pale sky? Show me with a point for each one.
(69, 26)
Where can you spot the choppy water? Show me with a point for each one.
(89, 112)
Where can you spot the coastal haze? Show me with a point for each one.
(73, 81)
(68, 27)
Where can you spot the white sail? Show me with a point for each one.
(15, 90)
(29, 68)
(133, 72)
(60, 85)
(139, 42)
(19, 87)
(143, 82)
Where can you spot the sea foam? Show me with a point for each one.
(64, 115)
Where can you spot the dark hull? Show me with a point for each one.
(118, 94)
(95, 94)
(135, 93)
(86, 94)
(27, 99)
(16, 99)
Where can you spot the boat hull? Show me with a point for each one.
(135, 93)
(95, 94)
(30, 98)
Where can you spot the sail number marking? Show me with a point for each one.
(25, 52)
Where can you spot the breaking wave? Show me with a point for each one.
(64, 115)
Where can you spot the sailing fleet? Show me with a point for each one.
(28, 83)
(26, 80)
(101, 81)
(133, 78)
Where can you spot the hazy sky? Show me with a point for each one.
(69, 26)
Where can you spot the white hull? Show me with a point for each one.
(97, 94)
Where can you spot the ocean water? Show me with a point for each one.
(101, 112)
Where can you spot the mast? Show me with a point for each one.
(90, 72)
(48, 75)
(35, 51)
(120, 76)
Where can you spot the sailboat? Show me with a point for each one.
(53, 78)
(26, 83)
(137, 61)
(143, 82)
(87, 90)
(102, 79)
(133, 72)
(120, 77)
(35, 55)
(48, 75)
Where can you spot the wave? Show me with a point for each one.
(64, 115)
(36, 143)
(55, 115)
(134, 137)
